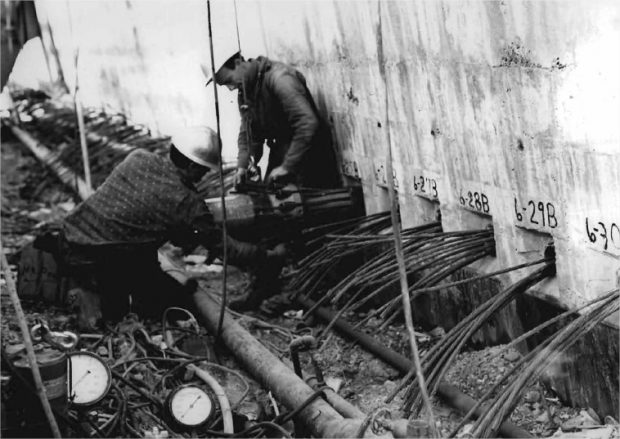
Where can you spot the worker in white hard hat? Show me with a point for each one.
(277, 108)
(148, 199)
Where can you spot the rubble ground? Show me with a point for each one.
(30, 198)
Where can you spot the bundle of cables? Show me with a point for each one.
(323, 260)
(430, 257)
(438, 359)
(537, 361)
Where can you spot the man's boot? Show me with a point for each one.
(88, 305)
(265, 282)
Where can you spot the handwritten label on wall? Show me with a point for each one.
(425, 185)
(381, 176)
(535, 214)
(604, 235)
(350, 168)
(474, 200)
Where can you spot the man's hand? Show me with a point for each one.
(240, 177)
(278, 252)
(279, 173)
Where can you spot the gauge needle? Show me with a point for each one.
(80, 380)
(191, 406)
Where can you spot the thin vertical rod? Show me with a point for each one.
(398, 242)
(32, 359)
(222, 188)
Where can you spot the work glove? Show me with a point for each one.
(279, 175)
(240, 177)
(278, 253)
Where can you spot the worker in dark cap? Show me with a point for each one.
(277, 108)
(146, 201)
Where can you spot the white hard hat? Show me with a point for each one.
(199, 144)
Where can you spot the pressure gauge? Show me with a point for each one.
(89, 378)
(190, 406)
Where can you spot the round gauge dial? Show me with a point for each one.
(190, 406)
(89, 378)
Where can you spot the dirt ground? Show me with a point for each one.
(31, 197)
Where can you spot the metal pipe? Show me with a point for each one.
(342, 406)
(319, 417)
(450, 393)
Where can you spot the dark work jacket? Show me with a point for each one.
(143, 203)
(276, 107)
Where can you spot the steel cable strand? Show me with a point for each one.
(323, 270)
(313, 257)
(365, 223)
(527, 358)
(384, 268)
(559, 343)
(384, 261)
(521, 338)
(430, 250)
(345, 283)
(465, 259)
(513, 397)
(407, 233)
(386, 282)
(542, 326)
(480, 277)
(337, 316)
(455, 258)
(420, 252)
(432, 255)
(460, 333)
(341, 226)
(338, 252)
(357, 276)
(486, 246)
(487, 395)
(457, 329)
(440, 367)
(352, 229)
(391, 303)
(454, 261)
(468, 326)
(309, 270)
(379, 264)
(435, 370)
(312, 285)
(504, 403)
(431, 357)
(387, 274)
(354, 306)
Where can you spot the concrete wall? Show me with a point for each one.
(502, 113)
